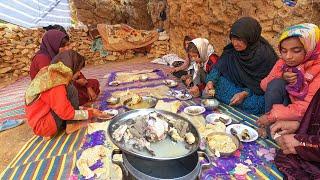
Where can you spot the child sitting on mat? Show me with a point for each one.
(202, 57)
(295, 78)
(182, 69)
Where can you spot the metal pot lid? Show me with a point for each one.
(163, 150)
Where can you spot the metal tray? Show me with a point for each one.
(167, 148)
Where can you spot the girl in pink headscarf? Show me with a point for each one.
(295, 78)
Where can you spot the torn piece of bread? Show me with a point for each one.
(135, 99)
(172, 106)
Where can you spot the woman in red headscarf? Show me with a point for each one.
(52, 42)
(56, 40)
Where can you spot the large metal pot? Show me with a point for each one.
(167, 150)
(143, 166)
(186, 168)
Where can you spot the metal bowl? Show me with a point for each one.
(210, 103)
(113, 100)
(149, 101)
(222, 154)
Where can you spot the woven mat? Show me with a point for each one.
(254, 161)
(40, 159)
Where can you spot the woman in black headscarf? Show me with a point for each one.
(243, 64)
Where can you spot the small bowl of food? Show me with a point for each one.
(210, 104)
(113, 100)
(114, 83)
(194, 110)
(143, 77)
(221, 144)
(218, 117)
(245, 133)
(170, 83)
(109, 114)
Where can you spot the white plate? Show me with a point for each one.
(114, 113)
(170, 83)
(239, 128)
(183, 97)
(212, 118)
(114, 83)
(199, 109)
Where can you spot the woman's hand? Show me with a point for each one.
(92, 95)
(184, 77)
(238, 98)
(172, 70)
(194, 91)
(263, 121)
(209, 86)
(96, 112)
(288, 143)
(82, 82)
(284, 127)
(188, 82)
(290, 77)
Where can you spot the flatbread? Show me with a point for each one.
(172, 106)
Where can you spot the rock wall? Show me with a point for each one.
(17, 47)
(212, 19)
(131, 12)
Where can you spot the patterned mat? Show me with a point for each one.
(254, 161)
(40, 159)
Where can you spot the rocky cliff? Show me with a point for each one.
(131, 12)
(212, 18)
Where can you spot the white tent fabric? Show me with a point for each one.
(36, 13)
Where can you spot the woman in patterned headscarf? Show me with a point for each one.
(295, 78)
(51, 102)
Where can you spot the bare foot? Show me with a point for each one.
(48, 138)
(73, 127)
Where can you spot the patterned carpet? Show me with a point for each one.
(55, 159)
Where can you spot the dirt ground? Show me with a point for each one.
(12, 140)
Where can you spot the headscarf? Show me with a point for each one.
(60, 72)
(247, 68)
(57, 27)
(70, 58)
(51, 42)
(205, 49)
(309, 35)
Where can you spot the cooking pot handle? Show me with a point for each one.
(119, 163)
(205, 165)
